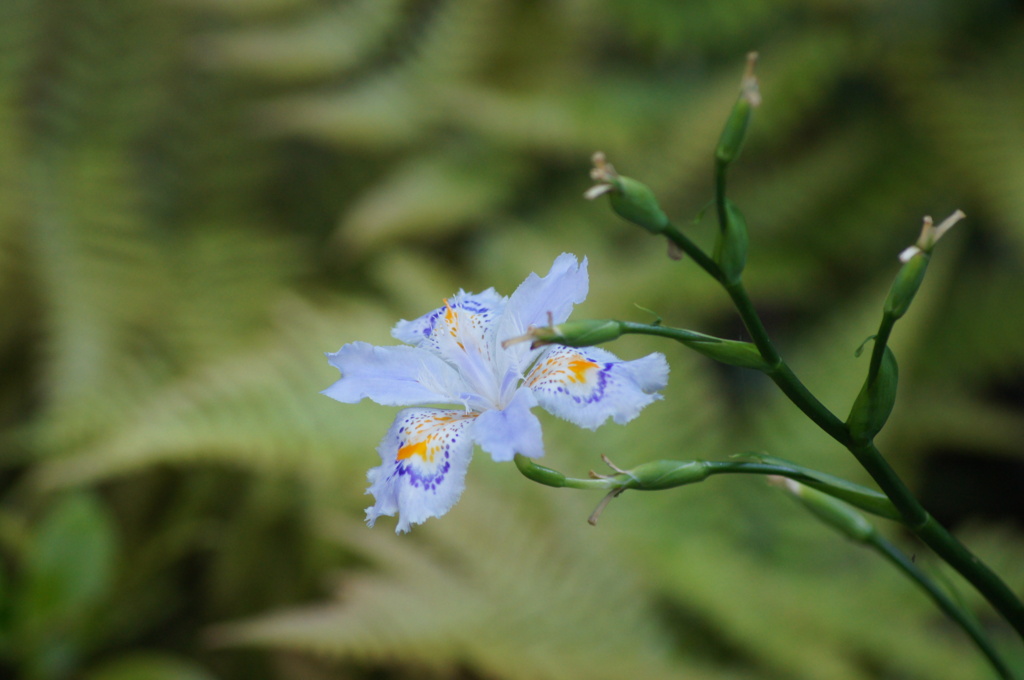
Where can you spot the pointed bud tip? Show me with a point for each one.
(948, 223)
(597, 191)
(603, 171)
(930, 234)
(749, 86)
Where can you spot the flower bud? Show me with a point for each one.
(732, 352)
(875, 401)
(735, 132)
(666, 474)
(930, 235)
(731, 248)
(584, 333)
(630, 199)
(908, 280)
(831, 511)
(539, 473)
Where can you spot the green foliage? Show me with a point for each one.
(199, 198)
(149, 666)
(65, 572)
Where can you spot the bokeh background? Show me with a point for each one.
(198, 198)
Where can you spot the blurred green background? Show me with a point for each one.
(198, 198)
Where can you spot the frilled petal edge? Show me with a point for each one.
(486, 306)
(425, 455)
(565, 285)
(587, 386)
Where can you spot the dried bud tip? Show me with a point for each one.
(603, 171)
(604, 174)
(930, 234)
(783, 483)
(597, 191)
(948, 223)
(749, 89)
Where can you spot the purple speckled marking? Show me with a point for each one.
(466, 304)
(420, 473)
(555, 378)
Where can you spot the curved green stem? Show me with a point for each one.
(720, 171)
(941, 600)
(673, 233)
(667, 474)
(878, 349)
(913, 514)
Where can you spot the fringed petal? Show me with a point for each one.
(587, 386)
(479, 310)
(555, 293)
(425, 455)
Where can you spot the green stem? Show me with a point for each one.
(677, 334)
(668, 474)
(752, 322)
(942, 601)
(720, 169)
(878, 349)
(860, 497)
(937, 537)
(914, 516)
(658, 475)
(673, 233)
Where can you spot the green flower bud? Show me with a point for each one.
(666, 474)
(630, 199)
(831, 511)
(908, 280)
(571, 333)
(915, 263)
(732, 352)
(731, 248)
(539, 473)
(635, 202)
(875, 401)
(735, 132)
(584, 333)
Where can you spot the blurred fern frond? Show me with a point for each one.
(198, 198)
(259, 409)
(496, 592)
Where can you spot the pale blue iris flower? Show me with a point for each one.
(454, 355)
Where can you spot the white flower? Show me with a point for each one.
(455, 356)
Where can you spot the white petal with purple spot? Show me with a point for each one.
(425, 455)
(586, 386)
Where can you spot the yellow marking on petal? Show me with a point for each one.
(451, 318)
(427, 447)
(578, 366)
(416, 449)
